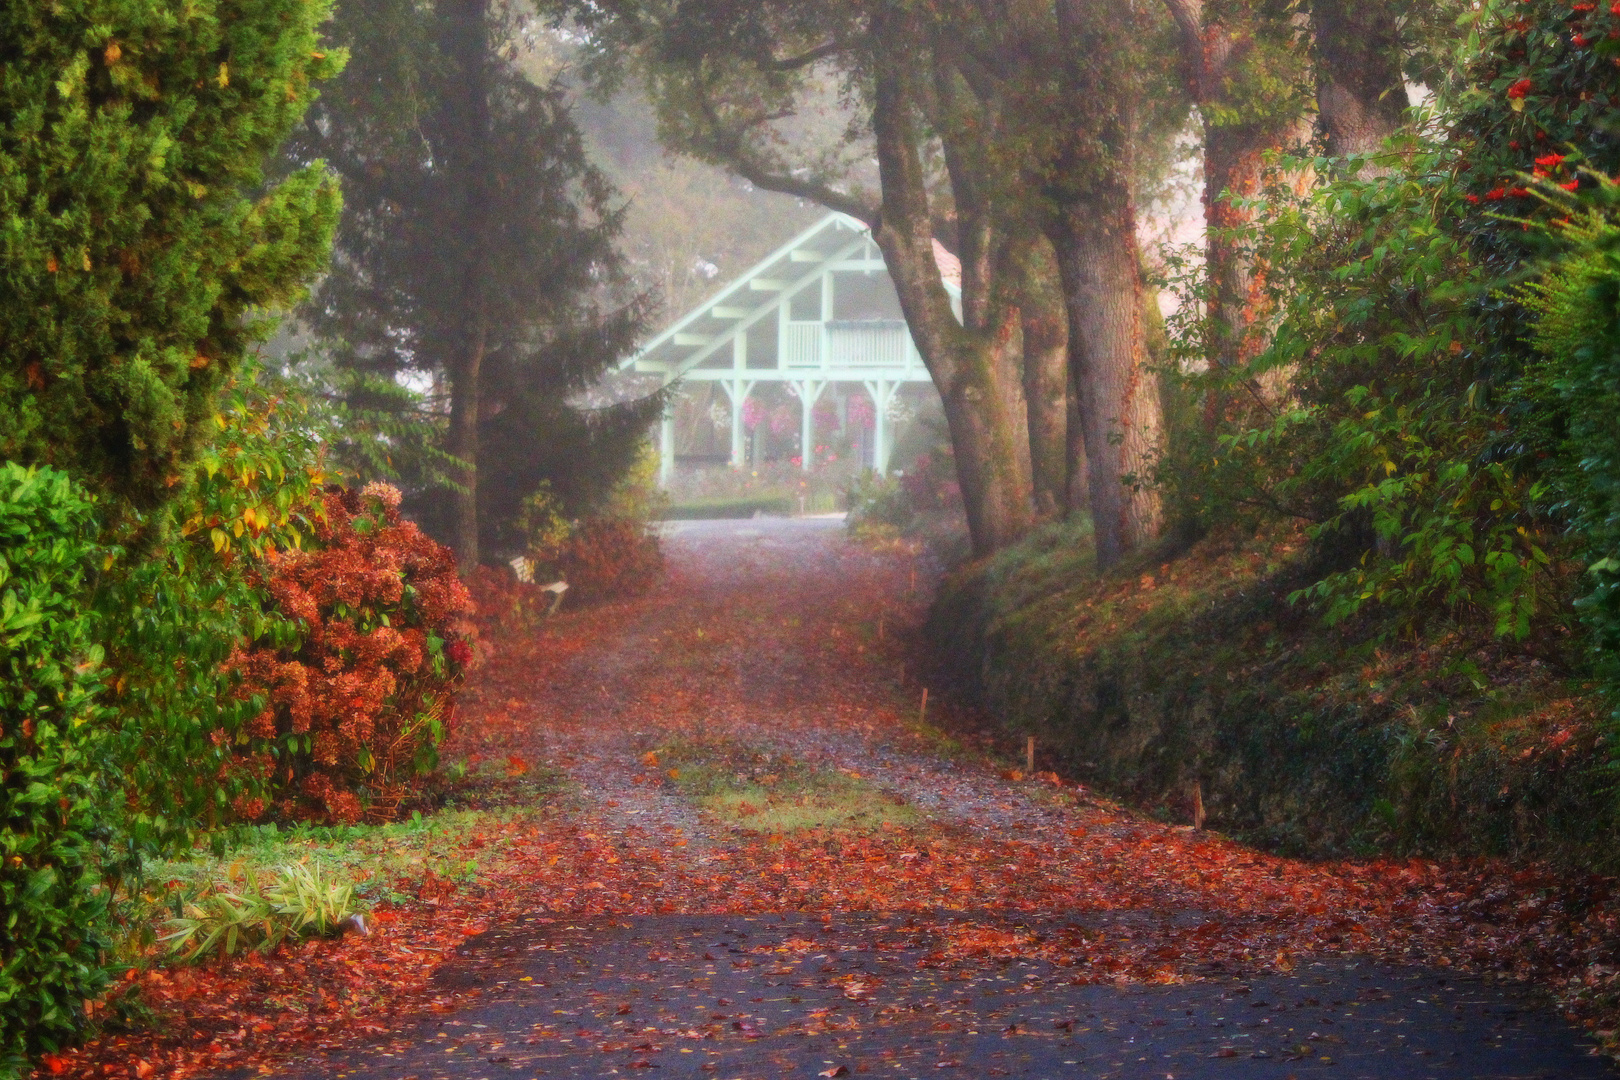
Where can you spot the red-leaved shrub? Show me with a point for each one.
(606, 557)
(358, 680)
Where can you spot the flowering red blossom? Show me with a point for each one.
(1496, 193)
(355, 704)
(1580, 41)
(1472, 198)
(1551, 161)
(1519, 89)
(1572, 185)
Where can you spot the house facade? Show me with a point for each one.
(819, 312)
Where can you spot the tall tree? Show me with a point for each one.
(724, 74)
(1091, 220)
(478, 249)
(1082, 98)
(141, 237)
(1360, 85)
(1247, 66)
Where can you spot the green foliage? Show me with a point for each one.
(170, 618)
(300, 900)
(134, 260)
(1578, 331)
(1393, 410)
(52, 795)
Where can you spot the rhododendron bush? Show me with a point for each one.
(357, 696)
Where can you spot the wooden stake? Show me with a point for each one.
(922, 711)
(1198, 805)
(1029, 756)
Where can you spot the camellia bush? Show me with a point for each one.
(355, 690)
(52, 806)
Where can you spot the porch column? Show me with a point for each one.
(666, 446)
(809, 393)
(737, 390)
(882, 392)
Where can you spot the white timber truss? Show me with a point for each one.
(818, 311)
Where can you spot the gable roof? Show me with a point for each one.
(836, 242)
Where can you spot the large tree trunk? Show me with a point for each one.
(1235, 170)
(1360, 90)
(1118, 399)
(1078, 491)
(467, 173)
(1046, 380)
(465, 407)
(976, 367)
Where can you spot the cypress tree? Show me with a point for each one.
(140, 240)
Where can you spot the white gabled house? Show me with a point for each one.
(818, 311)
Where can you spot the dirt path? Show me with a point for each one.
(764, 866)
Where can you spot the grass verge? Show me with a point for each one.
(775, 794)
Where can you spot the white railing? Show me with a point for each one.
(867, 344)
(803, 344)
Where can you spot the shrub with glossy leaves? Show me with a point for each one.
(52, 920)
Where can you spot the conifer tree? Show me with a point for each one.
(140, 239)
(477, 249)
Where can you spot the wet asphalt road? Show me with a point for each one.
(795, 995)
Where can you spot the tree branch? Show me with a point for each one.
(803, 60)
(731, 148)
(1189, 19)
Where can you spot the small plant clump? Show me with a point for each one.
(299, 901)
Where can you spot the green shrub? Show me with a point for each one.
(1399, 414)
(170, 616)
(52, 917)
(1579, 333)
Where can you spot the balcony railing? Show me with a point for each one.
(869, 343)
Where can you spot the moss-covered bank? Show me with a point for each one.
(1191, 668)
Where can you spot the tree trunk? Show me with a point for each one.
(1117, 396)
(1360, 90)
(467, 172)
(976, 367)
(1212, 55)
(1078, 490)
(1046, 381)
(465, 408)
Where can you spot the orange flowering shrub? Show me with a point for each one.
(357, 681)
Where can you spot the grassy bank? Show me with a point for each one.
(1188, 671)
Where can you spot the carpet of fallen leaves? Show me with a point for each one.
(785, 637)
